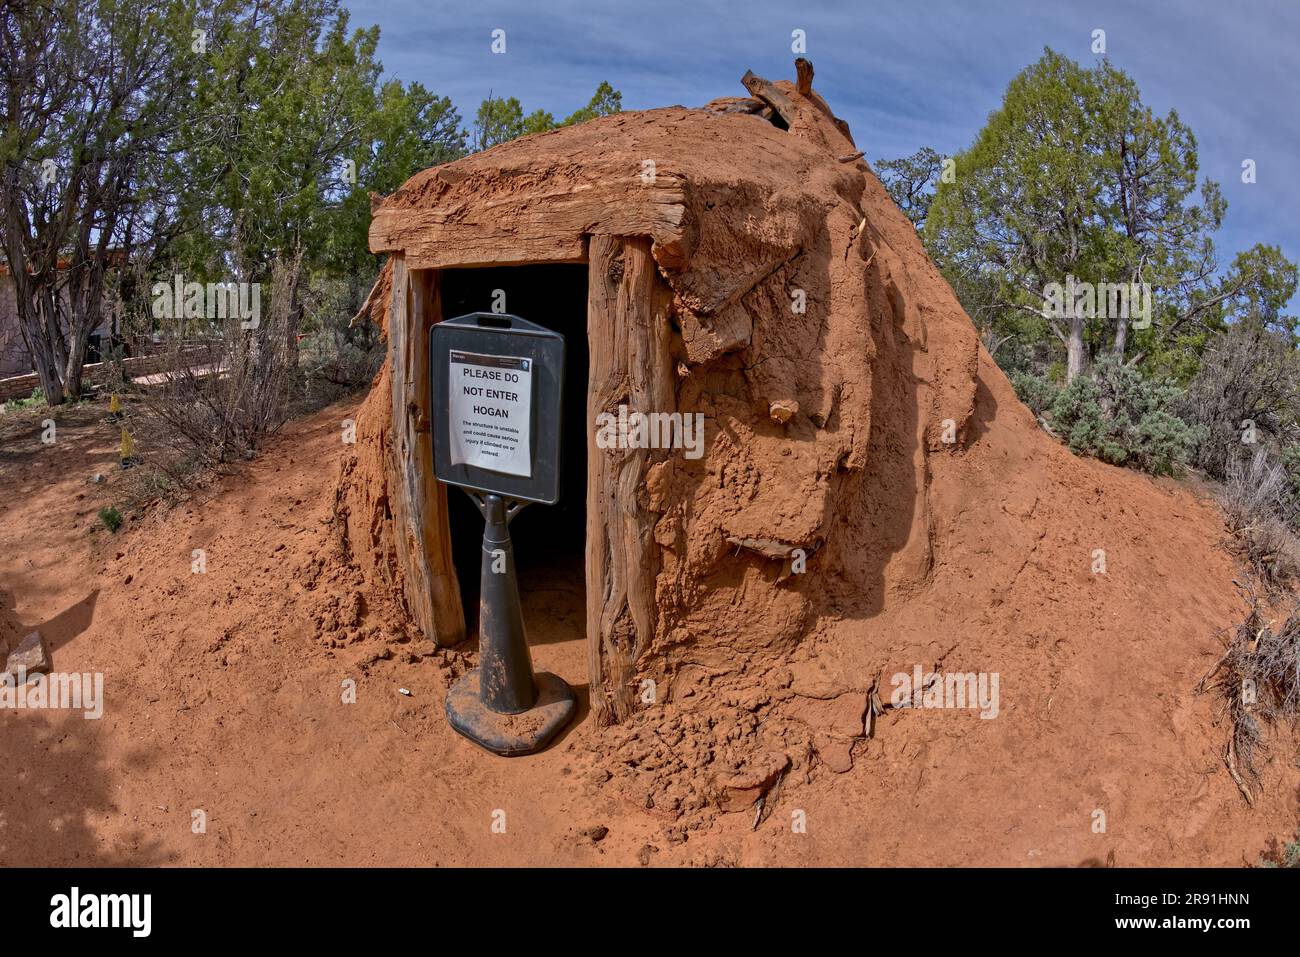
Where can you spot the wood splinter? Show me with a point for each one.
(803, 76)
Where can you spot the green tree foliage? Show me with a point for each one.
(1074, 181)
(501, 120)
(408, 129)
(911, 182)
(91, 95)
(604, 102)
(282, 109)
(1262, 282)
(227, 140)
(294, 131)
(1073, 176)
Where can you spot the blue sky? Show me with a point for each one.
(903, 74)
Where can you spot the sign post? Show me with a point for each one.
(499, 380)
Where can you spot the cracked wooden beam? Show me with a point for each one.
(769, 94)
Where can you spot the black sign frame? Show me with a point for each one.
(502, 334)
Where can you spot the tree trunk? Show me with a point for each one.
(45, 362)
(628, 329)
(43, 365)
(85, 307)
(294, 323)
(1074, 347)
(76, 361)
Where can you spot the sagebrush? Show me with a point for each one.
(1120, 417)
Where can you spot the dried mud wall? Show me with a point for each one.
(820, 420)
(812, 498)
(362, 497)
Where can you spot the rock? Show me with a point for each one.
(643, 855)
(676, 834)
(596, 834)
(843, 715)
(782, 410)
(97, 478)
(835, 753)
(29, 655)
(356, 609)
(739, 791)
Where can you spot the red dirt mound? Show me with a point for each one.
(1057, 612)
(223, 692)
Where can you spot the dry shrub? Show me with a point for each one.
(1248, 374)
(222, 394)
(1254, 500)
(1258, 680)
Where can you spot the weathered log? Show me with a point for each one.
(767, 547)
(803, 76)
(769, 94)
(516, 228)
(419, 499)
(628, 328)
(744, 105)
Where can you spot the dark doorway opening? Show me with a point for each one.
(549, 540)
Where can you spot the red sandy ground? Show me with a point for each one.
(224, 689)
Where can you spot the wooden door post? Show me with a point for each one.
(420, 500)
(627, 331)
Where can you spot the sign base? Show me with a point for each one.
(511, 735)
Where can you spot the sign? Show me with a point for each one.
(490, 408)
(497, 382)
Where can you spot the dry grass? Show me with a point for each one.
(1253, 501)
(1258, 680)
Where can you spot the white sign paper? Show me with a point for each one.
(490, 409)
